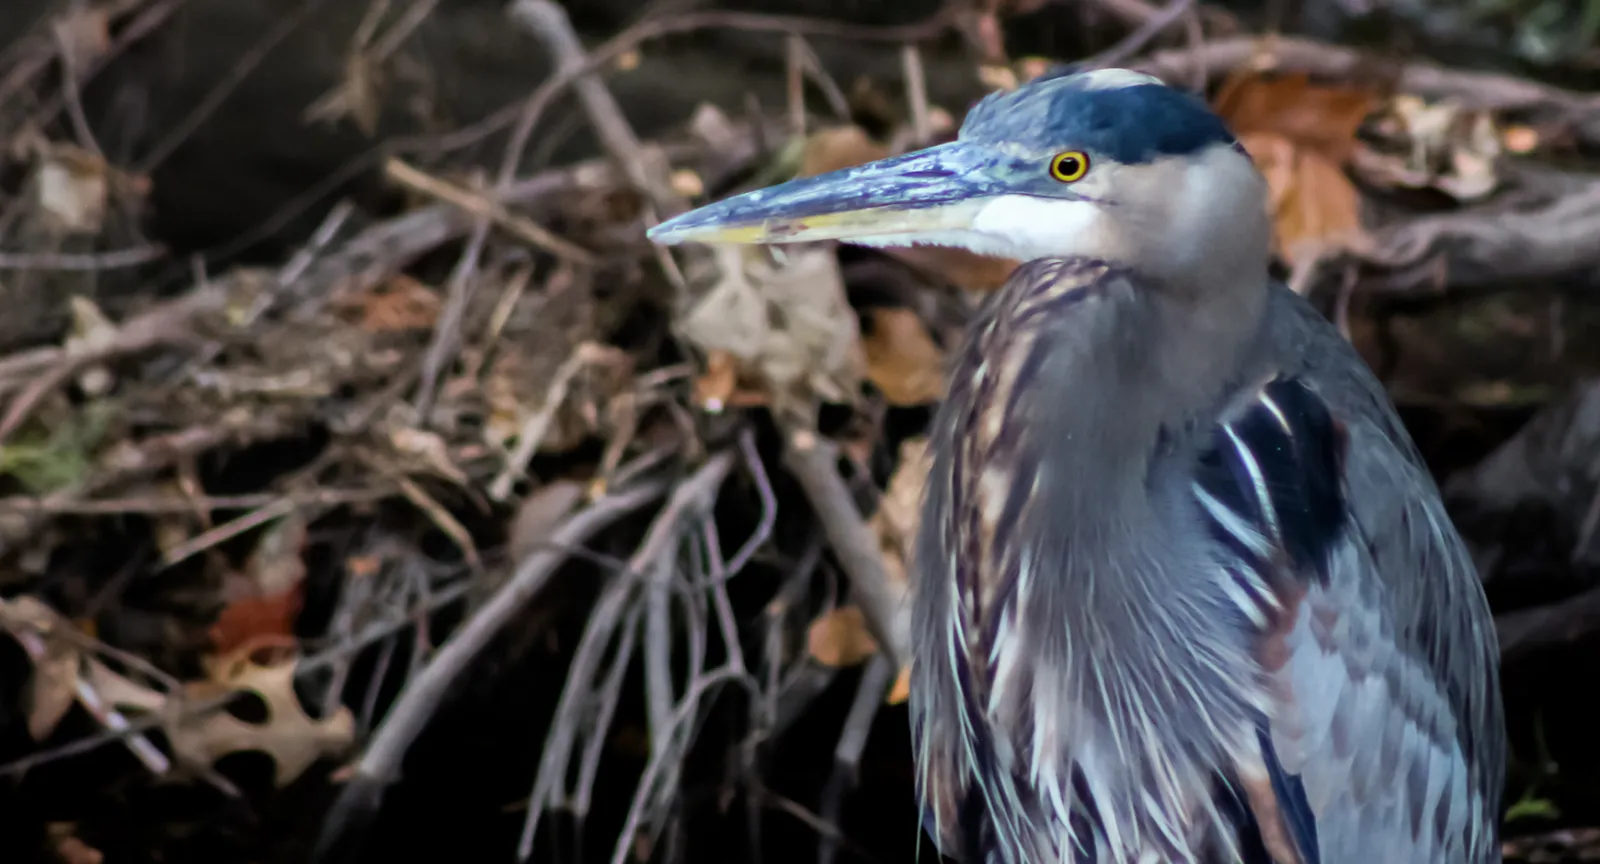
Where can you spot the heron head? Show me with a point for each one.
(1110, 164)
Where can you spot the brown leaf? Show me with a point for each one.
(1324, 119)
(900, 509)
(246, 620)
(69, 848)
(265, 597)
(720, 388)
(289, 735)
(839, 147)
(840, 637)
(901, 691)
(399, 303)
(56, 661)
(1311, 198)
(902, 360)
(1300, 136)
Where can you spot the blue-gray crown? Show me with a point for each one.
(1115, 113)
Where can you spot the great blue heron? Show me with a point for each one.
(1185, 590)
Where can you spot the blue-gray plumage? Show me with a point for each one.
(1185, 591)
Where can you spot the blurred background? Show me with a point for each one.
(370, 488)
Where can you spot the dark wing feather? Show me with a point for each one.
(1387, 739)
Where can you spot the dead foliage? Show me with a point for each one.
(332, 487)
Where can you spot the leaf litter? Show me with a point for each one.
(566, 375)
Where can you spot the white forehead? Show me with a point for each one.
(1113, 79)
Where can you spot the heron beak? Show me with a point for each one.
(939, 189)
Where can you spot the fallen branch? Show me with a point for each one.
(417, 702)
(549, 22)
(813, 461)
(692, 499)
(1475, 249)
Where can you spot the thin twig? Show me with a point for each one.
(916, 94)
(422, 696)
(851, 744)
(94, 261)
(485, 207)
(533, 430)
(1134, 42)
(691, 499)
(550, 24)
(447, 331)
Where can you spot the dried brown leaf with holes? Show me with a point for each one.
(1300, 136)
(902, 360)
(291, 737)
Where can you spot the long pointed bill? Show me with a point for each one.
(930, 191)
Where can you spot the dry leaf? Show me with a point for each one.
(115, 691)
(840, 637)
(72, 189)
(1520, 139)
(397, 304)
(902, 360)
(265, 597)
(687, 182)
(429, 451)
(785, 320)
(839, 147)
(245, 620)
(289, 735)
(1315, 118)
(1439, 145)
(1300, 137)
(69, 848)
(901, 691)
(54, 687)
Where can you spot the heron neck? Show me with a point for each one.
(1153, 361)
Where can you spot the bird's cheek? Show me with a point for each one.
(1044, 227)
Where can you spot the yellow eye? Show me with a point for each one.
(1070, 166)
